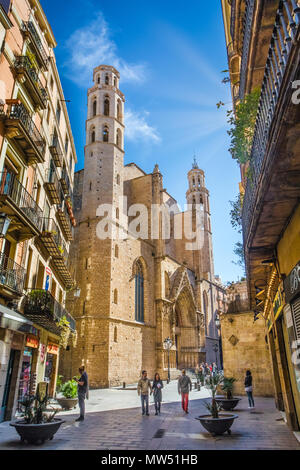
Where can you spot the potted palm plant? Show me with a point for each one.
(215, 422)
(229, 402)
(37, 424)
(69, 391)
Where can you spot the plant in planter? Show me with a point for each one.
(215, 422)
(228, 402)
(65, 331)
(69, 392)
(37, 424)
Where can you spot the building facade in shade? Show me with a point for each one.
(244, 344)
(136, 291)
(37, 160)
(262, 39)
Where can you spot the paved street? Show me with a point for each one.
(126, 428)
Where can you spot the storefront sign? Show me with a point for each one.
(52, 348)
(278, 303)
(292, 283)
(32, 341)
(42, 352)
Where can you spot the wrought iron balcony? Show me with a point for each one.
(282, 54)
(30, 32)
(56, 151)
(249, 13)
(26, 72)
(65, 182)
(64, 220)
(20, 128)
(52, 186)
(55, 245)
(42, 308)
(12, 277)
(20, 206)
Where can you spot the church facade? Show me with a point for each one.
(140, 282)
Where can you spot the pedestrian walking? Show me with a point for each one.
(157, 387)
(214, 369)
(184, 387)
(144, 386)
(248, 389)
(82, 391)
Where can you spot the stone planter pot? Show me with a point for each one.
(67, 403)
(227, 404)
(35, 433)
(217, 426)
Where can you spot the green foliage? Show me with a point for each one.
(239, 252)
(212, 383)
(236, 213)
(227, 386)
(35, 409)
(242, 126)
(69, 389)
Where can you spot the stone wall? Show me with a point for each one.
(244, 347)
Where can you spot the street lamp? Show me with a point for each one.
(168, 344)
(216, 349)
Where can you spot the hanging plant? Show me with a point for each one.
(65, 331)
(243, 126)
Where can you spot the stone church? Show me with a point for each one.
(136, 291)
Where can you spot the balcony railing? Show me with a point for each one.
(284, 40)
(29, 28)
(23, 64)
(249, 13)
(12, 275)
(56, 246)
(56, 151)
(65, 182)
(28, 135)
(23, 201)
(52, 186)
(42, 308)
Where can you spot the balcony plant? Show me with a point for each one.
(64, 326)
(229, 402)
(69, 391)
(215, 422)
(38, 424)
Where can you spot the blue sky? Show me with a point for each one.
(170, 55)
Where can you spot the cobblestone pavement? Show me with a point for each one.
(123, 429)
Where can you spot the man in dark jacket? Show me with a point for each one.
(184, 387)
(82, 388)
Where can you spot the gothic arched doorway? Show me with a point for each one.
(186, 334)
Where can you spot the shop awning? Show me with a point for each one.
(15, 321)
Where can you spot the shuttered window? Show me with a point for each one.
(296, 316)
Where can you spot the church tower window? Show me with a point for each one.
(106, 79)
(93, 135)
(105, 134)
(119, 110)
(106, 107)
(94, 108)
(139, 292)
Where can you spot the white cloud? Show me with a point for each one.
(91, 46)
(137, 127)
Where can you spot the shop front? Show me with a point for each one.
(51, 366)
(13, 330)
(292, 339)
(27, 381)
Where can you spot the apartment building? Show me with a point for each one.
(37, 161)
(263, 44)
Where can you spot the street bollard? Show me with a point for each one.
(124, 385)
